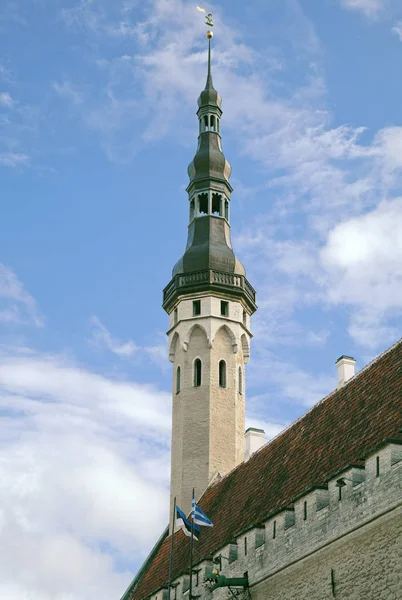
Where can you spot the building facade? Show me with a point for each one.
(317, 512)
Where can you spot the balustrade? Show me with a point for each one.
(212, 276)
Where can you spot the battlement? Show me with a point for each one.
(354, 496)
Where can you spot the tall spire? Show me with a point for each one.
(209, 246)
(209, 96)
(209, 77)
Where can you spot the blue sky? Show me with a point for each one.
(97, 127)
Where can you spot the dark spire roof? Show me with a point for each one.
(209, 249)
(209, 96)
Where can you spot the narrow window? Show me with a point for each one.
(305, 511)
(340, 493)
(192, 209)
(175, 316)
(244, 318)
(206, 123)
(222, 373)
(224, 308)
(240, 381)
(274, 530)
(377, 467)
(217, 125)
(212, 123)
(226, 210)
(245, 546)
(217, 204)
(197, 373)
(202, 204)
(197, 578)
(178, 380)
(196, 307)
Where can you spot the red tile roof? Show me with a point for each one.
(336, 432)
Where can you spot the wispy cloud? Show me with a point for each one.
(84, 465)
(14, 159)
(6, 100)
(69, 91)
(103, 339)
(398, 30)
(5, 74)
(370, 8)
(17, 306)
(18, 127)
(319, 174)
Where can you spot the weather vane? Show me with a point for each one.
(208, 19)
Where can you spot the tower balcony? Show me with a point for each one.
(209, 280)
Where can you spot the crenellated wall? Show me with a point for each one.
(323, 545)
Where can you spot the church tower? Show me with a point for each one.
(209, 301)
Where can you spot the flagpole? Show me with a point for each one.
(171, 548)
(191, 549)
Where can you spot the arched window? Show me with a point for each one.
(212, 121)
(197, 372)
(202, 204)
(222, 373)
(240, 381)
(178, 380)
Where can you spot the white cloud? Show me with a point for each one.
(14, 159)
(84, 469)
(18, 125)
(363, 257)
(320, 174)
(5, 74)
(69, 90)
(102, 337)
(16, 304)
(6, 100)
(370, 8)
(398, 30)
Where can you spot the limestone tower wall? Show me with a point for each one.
(208, 400)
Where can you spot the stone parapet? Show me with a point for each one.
(295, 533)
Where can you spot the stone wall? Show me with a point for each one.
(347, 547)
(208, 421)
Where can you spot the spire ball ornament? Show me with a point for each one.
(210, 34)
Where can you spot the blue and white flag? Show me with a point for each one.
(185, 525)
(199, 517)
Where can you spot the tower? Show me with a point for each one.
(209, 301)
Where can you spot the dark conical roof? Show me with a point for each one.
(209, 262)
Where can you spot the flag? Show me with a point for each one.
(199, 517)
(185, 525)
